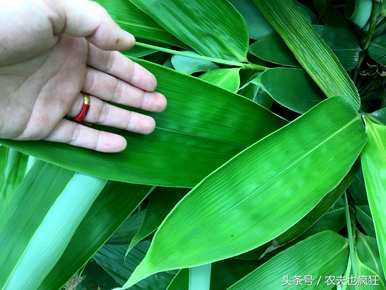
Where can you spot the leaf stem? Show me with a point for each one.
(197, 56)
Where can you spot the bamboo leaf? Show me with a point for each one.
(374, 171)
(211, 28)
(320, 255)
(116, 202)
(291, 87)
(364, 218)
(226, 78)
(133, 20)
(237, 200)
(309, 49)
(202, 130)
(39, 222)
(313, 216)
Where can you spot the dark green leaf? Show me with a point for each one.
(196, 134)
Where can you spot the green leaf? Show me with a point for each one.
(291, 87)
(364, 218)
(257, 25)
(133, 20)
(161, 201)
(39, 222)
(310, 50)
(93, 278)
(237, 200)
(343, 42)
(202, 130)
(271, 48)
(374, 172)
(116, 202)
(377, 49)
(212, 28)
(321, 255)
(313, 216)
(189, 65)
(226, 78)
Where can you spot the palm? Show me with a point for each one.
(44, 89)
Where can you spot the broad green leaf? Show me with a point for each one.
(374, 172)
(310, 50)
(212, 28)
(364, 218)
(189, 65)
(237, 200)
(116, 202)
(377, 49)
(321, 255)
(129, 227)
(113, 260)
(133, 20)
(161, 201)
(358, 189)
(271, 48)
(226, 78)
(254, 91)
(257, 25)
(291, 87)
(314, 215)
(39, 222)
(202, 128)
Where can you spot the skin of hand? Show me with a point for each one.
(53, 51)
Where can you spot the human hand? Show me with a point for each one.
(52, 51)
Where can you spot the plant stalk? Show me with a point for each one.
(199, 277)
(201, 57)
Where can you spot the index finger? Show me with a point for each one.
(116, 64)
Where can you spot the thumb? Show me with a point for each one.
(84, 18)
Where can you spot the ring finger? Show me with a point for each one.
(105, 114)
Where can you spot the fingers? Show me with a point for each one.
(102, 113)
(84, 18)
(116, 64)
(81, 136)
(111, 89)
